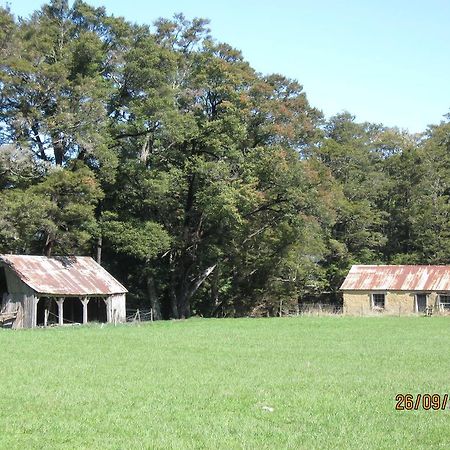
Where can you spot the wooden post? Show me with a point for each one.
(151, 314)
(85, 301)
(45, 318)
(108, 309)
(35, 302)
(60, 302)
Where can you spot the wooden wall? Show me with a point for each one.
(21, 297)
(117, 306)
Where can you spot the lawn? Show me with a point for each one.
(300, 383)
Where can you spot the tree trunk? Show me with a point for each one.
(184, 307)
(58, 150)
(173, 288)
(48, 247)
(154, 300)
(173, 299)
(98, 256)
(181, 292)
(215, 293)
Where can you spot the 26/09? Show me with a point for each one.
(410, 402)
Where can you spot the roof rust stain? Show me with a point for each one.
(397, 278)
(63, 275)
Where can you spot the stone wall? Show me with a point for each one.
(396, 303)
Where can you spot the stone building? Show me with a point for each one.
(399, 289)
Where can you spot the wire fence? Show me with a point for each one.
(132, 316)
(51, 319)
(139, 315)
(146, 314)
(65, 320)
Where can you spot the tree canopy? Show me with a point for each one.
(206, 187)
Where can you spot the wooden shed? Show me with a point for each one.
(396, 289)
(39, 290)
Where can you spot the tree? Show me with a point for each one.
(430, 209)
(210, 189)
(355, 156)
(54, 86)
(56, 214)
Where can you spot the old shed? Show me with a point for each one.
(39, 290)
(396, 289)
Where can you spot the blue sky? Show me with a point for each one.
(385, 61)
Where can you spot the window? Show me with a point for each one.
(444, 302)
(378, 301)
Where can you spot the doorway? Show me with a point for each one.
(49, 304)
(97, 310)
(421, 302)
(3, 284)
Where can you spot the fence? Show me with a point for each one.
(139, 315)
(303, 309)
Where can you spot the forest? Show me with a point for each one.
(205, 187)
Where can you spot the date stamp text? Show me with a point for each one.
(410, 402)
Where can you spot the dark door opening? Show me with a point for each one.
(97, 310)
(73, 310)
(49, 304)
(421, 300)
(3, 284)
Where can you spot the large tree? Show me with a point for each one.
(210, 188)
(212, 152)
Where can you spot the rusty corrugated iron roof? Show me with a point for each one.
(63, 275)
(397, 278)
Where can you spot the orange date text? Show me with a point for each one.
(410, 402)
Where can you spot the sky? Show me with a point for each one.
(384, 61)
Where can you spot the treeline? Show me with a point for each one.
(204, 186)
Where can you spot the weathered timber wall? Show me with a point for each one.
(21, 297)
(117, 307)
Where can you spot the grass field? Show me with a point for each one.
(330, 382)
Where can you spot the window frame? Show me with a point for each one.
(372, 301)
(444, 306)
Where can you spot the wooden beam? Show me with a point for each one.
(107, 301)
(34, 301)
(85, 301)
(60, 302)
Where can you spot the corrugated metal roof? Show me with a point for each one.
(398, 278)
(63, 275)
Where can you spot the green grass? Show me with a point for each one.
(331, 382)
